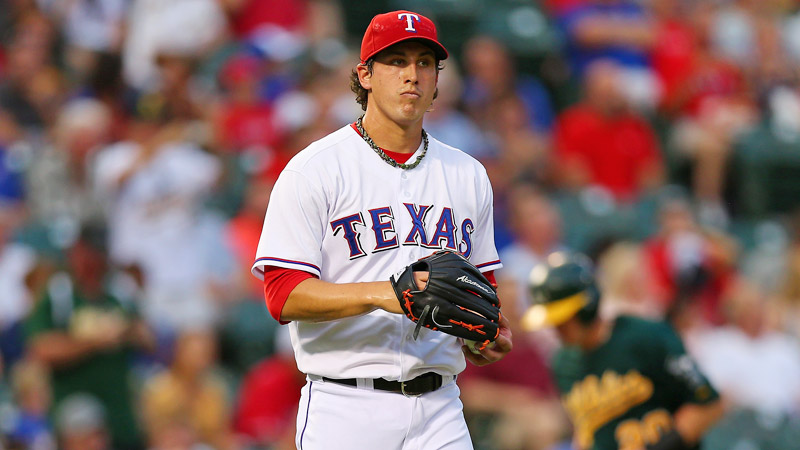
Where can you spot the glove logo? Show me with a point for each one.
(464, 279)
(397, 275)
(433, 319)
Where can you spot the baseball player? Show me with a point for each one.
(626, 383)
(345, 255)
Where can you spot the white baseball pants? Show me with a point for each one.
(332, 416)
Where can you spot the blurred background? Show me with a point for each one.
(140, 139)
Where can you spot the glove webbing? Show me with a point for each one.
(407, 295)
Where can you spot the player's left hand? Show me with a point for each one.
(503, 345)
(456, 299)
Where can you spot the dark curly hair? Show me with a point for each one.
(361, 93)
(355, 85)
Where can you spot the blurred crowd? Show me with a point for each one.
(140, 139)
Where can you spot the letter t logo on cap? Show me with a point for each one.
(409, 20)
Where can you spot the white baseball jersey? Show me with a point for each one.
(342, 213)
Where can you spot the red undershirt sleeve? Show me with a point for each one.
(278, 284)
(490, 276)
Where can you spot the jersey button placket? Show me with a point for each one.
(408, 339)
(406, 194)
(399, 178)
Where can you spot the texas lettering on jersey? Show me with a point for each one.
(430, 231)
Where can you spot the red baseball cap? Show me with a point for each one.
(390, 28)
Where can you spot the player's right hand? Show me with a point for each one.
(488, 355)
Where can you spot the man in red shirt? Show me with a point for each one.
(602, 141)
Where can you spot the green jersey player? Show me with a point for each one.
(626, 383)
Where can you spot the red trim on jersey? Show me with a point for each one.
(397, 156)
(278, 284)
(486, 264)
(291, 261)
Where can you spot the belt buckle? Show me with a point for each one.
(403, 391)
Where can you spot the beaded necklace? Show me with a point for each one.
(383, 154)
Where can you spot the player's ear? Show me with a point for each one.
(364, 76)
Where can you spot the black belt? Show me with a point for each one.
(422, 384)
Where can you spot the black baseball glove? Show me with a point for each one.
(457, 300)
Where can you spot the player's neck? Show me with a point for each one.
(390, 135)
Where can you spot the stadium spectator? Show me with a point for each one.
(266, 409)
(754, 365)
(94, 25)
(674, 48)
(447, 121)
(248, 16)
(151, 30)
(153, 187)
(12, 186)
(602, 142)
(91, 30)
(30, 427)
(17, 260)
(711, 105)
(617, 30)
(319, 103)
(536, 226)
(31, 86)
(82, 424)
(245, 338)
(692, 267)
(59, 177)
(788, 295)
(244, 230)
(523, 152)
(765, 56)
(627, 283)
(244, 121)
(558, 7)
(177, 88)
(491, 76)
(17, 263)
(186, 404)
(86, 336)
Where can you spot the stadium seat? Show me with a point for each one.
(523, 27)
(591, 216)
(746, 429)
(767, 174)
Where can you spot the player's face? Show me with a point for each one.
(570, 332)
(402, 82)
